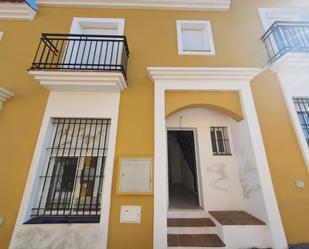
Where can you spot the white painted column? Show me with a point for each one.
(160, 171)
(270, 202)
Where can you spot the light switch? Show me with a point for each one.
(300, 184)
(130, 214)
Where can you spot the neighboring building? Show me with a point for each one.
(139, 124)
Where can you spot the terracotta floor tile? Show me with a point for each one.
(185, 240)
(172, 240)
(208, 222)
(207, 240)
(181, 222)
(171, 223)
(190, 222)
(235, 218)
(195, 223)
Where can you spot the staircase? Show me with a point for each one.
(197, 229)
(192, 229)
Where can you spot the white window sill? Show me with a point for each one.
(210, 53)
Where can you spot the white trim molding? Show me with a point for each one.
(16, 11)
(80, 24)
(80, 81)
(208, 79)
(269, 15)
(293, 74)
(5, 95)
(196, 5)
(202, 73)
(203, 26)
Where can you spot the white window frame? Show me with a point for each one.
(80, 23)
(299, 126)
(207, 32)
(40, 193)
(228, 138)
(280, 14)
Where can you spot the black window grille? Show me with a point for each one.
(71, 185)
(220, 141)
(302, 109)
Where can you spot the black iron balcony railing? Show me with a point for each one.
(82, 52)
(283, 37)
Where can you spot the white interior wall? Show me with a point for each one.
(219, 176)
(251, 193)
(228, 182)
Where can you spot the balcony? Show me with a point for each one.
(283, 37)
(68, 58)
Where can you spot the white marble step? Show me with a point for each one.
(187, 213)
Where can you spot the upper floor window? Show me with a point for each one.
(71, 186)
(220, 141)
(302, 109)
(195, 38)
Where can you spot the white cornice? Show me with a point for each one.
(80, 81)
(290, 62)
(196, 5)
(16, 11)
(202, 73)
(4, 96)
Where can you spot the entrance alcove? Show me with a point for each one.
(226, 173)
(226, 92)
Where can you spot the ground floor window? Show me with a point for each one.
(220, 141)
(71, 185)
(302, 109)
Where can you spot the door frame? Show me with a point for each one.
(197, 162)
(208, 79)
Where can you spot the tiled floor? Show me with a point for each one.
(198, 222)
(181, 197)
(235, 218)
(194, 240)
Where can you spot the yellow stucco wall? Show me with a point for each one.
(284, 157)
(225, 102)
(151, 36)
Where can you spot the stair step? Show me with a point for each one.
(235, 218)
(190, 222)
(187, 213)
(192, 230)
(194, 240)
